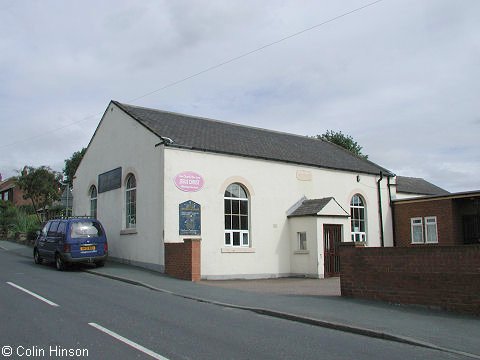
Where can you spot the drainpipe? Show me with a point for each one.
(392, 209)
(380, 208)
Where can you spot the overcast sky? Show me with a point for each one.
(402, 77)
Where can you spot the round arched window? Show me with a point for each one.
(236, 216)
(131, 202)
(358, 219)
(93, 202)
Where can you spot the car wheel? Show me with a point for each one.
(59, 263)
(36, 257)
(100, 264)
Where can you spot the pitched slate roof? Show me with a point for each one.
(222, 137)
(413, 185)
(313, 207)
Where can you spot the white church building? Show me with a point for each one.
(264, 203)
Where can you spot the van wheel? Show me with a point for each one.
(59, 263)
(100, 264)
(36, 257)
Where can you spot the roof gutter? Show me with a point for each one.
(392, 208)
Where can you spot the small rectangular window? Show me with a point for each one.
(244, 208)
(236, 239)
(236, 207)
(431, 235)
(228, 206)
(228, 240)
(52, 231)
(244, 222)
(417, 230)
(228, 222)
(244, 239)
(302, 240)
(236, 222)
(61, 229)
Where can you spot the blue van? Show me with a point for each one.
(72, 240)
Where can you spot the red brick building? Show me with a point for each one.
(440, 220)
(10, 192)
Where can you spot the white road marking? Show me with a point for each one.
(128, 342)
(33, 294)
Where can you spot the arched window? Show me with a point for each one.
(131, 202)
(93, 201)
(358, 218)
(236, 216)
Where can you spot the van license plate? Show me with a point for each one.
(87, 248)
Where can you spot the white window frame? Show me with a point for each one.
(128, 223)
(358, 236)
(416, 225)
(93, 202)
(302, 241)
(244, 234)
(427, 232)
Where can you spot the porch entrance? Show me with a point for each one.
(332, 236)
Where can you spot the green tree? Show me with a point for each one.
(71, 165)
(41, 185)
(345, 141)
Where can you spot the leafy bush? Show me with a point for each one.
(14, 220)
(27, 209)
(25, 223)
(8, 216)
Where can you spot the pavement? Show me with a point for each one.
(310, 301)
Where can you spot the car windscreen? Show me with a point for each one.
(85, 229)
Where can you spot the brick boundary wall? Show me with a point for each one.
(446, 277)
(182, 260)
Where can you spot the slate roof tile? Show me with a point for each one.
(413, 185)
(223, 137)
(310, 207)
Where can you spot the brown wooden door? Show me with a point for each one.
(332, 236)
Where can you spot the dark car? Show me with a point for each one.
(72, 240)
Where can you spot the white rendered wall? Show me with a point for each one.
(273, 187)
(122, 142)
(304, 262)
(401, 196)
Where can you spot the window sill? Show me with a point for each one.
(128, 231)
(237, 250)
(301, 252)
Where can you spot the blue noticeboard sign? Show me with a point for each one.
(189, 214)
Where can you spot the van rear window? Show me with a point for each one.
(85, 229)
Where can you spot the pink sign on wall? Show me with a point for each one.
(189, 181)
